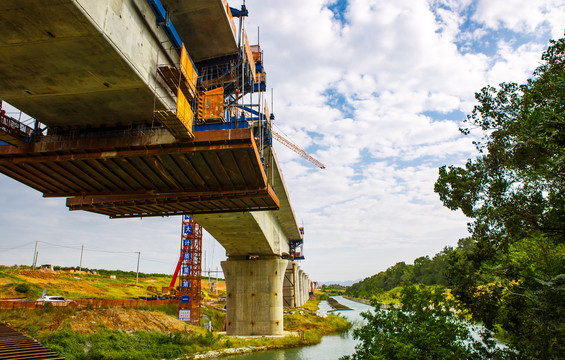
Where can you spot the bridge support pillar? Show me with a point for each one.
(254, 300)
(289, 285)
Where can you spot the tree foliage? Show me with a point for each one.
(424, 271)
(513, 275)
(426, 327)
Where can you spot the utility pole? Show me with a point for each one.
(34, 256)
(81, 252)
(137, 275)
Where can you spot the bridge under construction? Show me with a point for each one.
(156, 108)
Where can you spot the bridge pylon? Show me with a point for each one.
(254, 295)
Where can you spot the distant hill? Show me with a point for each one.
(20, 282)
(341, 283)
(424, 271)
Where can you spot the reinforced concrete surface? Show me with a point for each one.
(254, 298)
(68, 64)
(205, 27)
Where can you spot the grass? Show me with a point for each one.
(83, 285)
(75, 286)
(119, 345)
(51, 325)
(33, 322)
(392, 296)
(217, 317)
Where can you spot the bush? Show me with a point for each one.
(425, 328)
(22, 288)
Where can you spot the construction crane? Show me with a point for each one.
(292, 146)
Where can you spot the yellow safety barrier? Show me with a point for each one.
(189, 71)
(184, 112)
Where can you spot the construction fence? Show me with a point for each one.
(91, 303)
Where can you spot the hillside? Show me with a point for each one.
(424, 271)
(74, 285)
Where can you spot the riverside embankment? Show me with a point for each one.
(332, 347)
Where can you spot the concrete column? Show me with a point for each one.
(254, 296)
(296, 287)
(304, 291)
(300, 288)
(288, 286)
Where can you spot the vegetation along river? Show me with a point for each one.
(332, 346)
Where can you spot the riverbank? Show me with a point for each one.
(361, 301)
(383, 305)
(336, 305)
(111, 333)
(331, 347)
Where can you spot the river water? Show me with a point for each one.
(332, 347)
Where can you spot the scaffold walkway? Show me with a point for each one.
(16, 346)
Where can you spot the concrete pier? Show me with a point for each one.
(254, 296)
(289, 298)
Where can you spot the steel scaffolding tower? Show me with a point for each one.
(191, 271)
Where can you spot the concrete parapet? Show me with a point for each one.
(254, 296)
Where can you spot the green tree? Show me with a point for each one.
(513, 273)
(426, 327)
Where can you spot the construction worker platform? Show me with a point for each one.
(146, 175)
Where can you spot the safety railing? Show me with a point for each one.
(14, 127)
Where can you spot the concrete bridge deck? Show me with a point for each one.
(69, 63)
(88, 71)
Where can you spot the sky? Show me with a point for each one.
(374, 89)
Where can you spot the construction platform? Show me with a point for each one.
(146, 175)
(16, 346)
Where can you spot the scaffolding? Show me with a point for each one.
(190, 271)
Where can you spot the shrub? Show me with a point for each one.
(426, 328)
(22, 288)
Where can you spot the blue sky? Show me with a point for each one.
(374, 89)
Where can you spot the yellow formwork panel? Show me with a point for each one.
(184, 112)
(188, 70)
(232, 23)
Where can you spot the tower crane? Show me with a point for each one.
(292, 146)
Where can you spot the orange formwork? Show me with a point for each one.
(249, 56)
(211, 106)
(189, 72)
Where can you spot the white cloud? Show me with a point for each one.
(521, 15)
(376, 99)
(387, 65)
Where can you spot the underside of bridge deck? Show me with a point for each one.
(151, 175)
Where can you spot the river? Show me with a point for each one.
(332, 347)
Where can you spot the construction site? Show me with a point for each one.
(149, 108)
